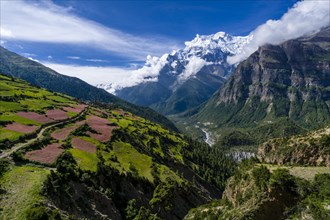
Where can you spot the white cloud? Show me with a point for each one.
(305, 17)
(90, 60)
(6, 33)
(30, 58)
(91, 74)
(28, 54)
(194, 66)
(46, 22)
(148, 73)
(73, 57)
(97, 60)
(151, 70)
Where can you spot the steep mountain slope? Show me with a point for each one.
(291, 80)
(98, 163)
(12, 64)
(185, 78)
(256, 192)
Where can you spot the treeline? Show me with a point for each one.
(213, 165)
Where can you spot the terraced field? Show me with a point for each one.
(46, 155)
(92, 133)
(24, 109)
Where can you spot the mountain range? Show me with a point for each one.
(185, 78)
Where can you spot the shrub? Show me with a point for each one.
(261, 176)
(322, 185)
(131, 210)
(282, 179)
(325, 140)
(4, 165)
(145, 214)
(37, 213)
(67, 165)
(18, 157)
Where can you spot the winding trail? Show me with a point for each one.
(18, 146)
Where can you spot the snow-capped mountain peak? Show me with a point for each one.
(220, 34)
(221, 41)
(182, 64)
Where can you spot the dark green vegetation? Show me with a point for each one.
(14, 65)
(214, 158)
(280, 90)
(141, 171)
(256, 193)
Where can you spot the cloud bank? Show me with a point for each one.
(47, 22)
(118, 76)
(303, 18)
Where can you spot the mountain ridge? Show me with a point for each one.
(12, 64)
(290, 80)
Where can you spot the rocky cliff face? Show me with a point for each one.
(288, 80)
(312, 149)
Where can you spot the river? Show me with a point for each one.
(208, 139)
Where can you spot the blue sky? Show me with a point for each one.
(118, 35)
(181, 20)
(173, 21)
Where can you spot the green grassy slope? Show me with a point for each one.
(142, 170)
(21, 187)
(17, 95)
